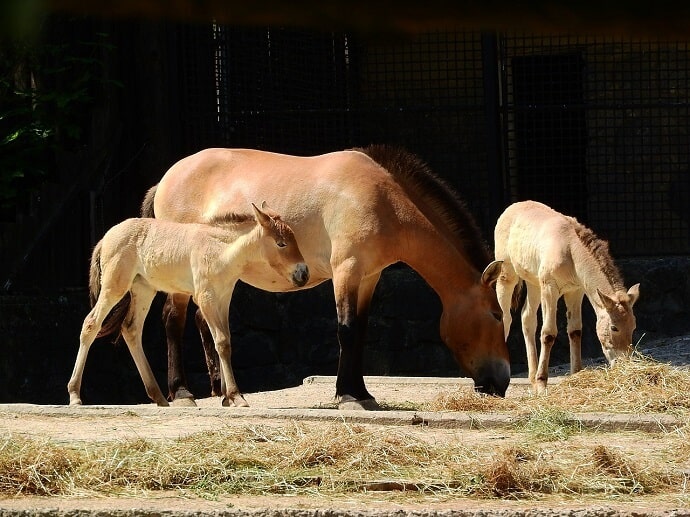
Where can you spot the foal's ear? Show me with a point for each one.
(269, 211)
(491, 273)
(634, 294)
(262, 217)
(609, 303)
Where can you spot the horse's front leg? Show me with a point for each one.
(215, 312)
(174, 319)
(352, 297)
(212, 361)
(573, 304)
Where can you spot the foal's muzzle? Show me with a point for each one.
(301, 275)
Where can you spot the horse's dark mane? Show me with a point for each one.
(230, 218)
(599, 249)
(435, 198)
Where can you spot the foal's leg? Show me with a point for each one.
(132, 328)
(92, 324)
(215, 312)
(529, 329)
(174, 319)
(573, 304)
(352, 297)
(549, 330)
(212, 360)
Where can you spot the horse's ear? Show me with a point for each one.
(634, 294)
(262, 217)
(491, 273)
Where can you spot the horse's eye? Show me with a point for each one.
(497, 315)
(614, 328)
(281, 244)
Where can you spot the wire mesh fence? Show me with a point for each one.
(598, 128)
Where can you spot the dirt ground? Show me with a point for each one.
(312, 402)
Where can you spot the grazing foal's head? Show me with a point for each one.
(279, 247)
(615, 325)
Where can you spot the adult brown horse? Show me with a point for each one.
(353, 213)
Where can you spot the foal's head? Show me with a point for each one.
(279, 247)
(615, 325)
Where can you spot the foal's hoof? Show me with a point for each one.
(348, 402)
(236, 400)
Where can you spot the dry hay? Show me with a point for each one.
(636, 385)
(340, 459)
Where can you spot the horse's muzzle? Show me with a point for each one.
(493, 378)
(301, 275)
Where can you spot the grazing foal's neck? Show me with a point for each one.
(595, 270)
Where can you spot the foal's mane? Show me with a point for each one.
(599, 249)
(435, 199)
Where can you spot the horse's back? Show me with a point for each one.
(333, 202)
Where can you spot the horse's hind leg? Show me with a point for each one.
(573, 304)
(92, 324)
(212, 360)
(174, 319)
(132, 329)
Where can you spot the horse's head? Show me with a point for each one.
(472, 327)
(616, 322)
(279, 247)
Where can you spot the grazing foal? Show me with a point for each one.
(557, 256)
(141, 256)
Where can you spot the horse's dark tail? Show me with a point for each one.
(518, 298)
(113, 322)
(147, 204)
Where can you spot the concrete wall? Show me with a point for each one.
(281, 338)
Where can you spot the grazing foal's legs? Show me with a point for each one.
(549, 330)
(573, 304)
(529, 329)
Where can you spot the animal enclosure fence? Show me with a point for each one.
(596, 127)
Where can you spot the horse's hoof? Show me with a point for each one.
(183, 402)
(234, 400)
(183, 398)
(348, 402)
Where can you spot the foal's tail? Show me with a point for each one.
(147, 204)
(113, 322)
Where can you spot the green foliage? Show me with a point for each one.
(46, 90)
